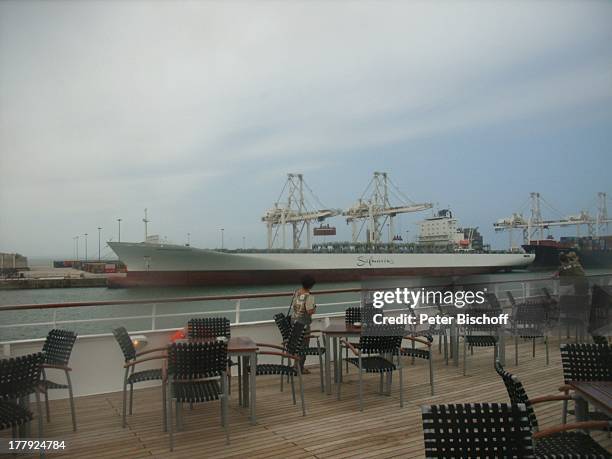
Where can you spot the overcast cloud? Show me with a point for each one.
(196, 110)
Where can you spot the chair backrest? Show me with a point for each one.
(601, 311)
(586, 362)
(381, 339)
(517, 393)
(19, 376)
(511, 298)
(477, 430)
(208, 328)
(58, 346)
(352, 315)
(493, 301)
(202, 359)
(295, 344)
(283, 323)
(125, 343)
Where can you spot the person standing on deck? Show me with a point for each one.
(303, 307)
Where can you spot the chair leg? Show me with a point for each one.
(302, 393)
(46, 394)
(338, 386)
(546, 348)
(360, 388)
(564, 413)
(533, 347)
(165, 408)
(124, 401)
(401, 383)
(516, 349)
(346, 360)
(445, 349)
(292, 389)
(131, 397)
(240, 381)
(72, 410)
(170, 420)
(380, 384)
(464, 356)
(282, 375)
(321, 370)
(40, 415)
(431, 375)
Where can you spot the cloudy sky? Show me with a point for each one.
(197, 110)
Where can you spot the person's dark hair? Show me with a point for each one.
(308, 282)
(563, 258)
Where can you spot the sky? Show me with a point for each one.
(198, 110)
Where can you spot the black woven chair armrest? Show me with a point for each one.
(280, 354)
(149, 351)
(584, 425)
(350, 346)
(418, 340)
(56, 367)
(136, 362)
(551, 398)
(274, 346)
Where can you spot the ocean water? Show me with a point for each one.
(131, 316)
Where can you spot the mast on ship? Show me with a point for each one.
(535, 224)
(377, 210)
(293, 208)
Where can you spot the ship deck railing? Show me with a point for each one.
(155, 314)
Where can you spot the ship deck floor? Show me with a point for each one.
(331, 428)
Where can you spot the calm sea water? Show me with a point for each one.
(130, 316)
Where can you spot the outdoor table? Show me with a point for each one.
(597, 393)
(246, 349)
(335, 332)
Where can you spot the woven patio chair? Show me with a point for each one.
(196, 373)
(57, 350)
(477, 430)
(585, 362)
(20, 377)
(292, 350)
(556, 442)
(377, 346)
(131, 376)
(284, 326)
(529, 322)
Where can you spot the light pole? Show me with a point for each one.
(243, 243)
(188, 239)
(76, 246)
(222, 230)
(119, 221)
(85, 246)
(99, 229)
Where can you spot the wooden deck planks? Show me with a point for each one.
(331, 429)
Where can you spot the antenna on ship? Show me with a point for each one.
(377, 210)
(146, 221)
(293, 208)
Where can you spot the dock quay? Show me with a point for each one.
(45, 277)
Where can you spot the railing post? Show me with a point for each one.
(528, 289)
(153, 316)
(54, 318)
(238, 311)
(524, 287)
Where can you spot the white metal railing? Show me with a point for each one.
(521, 289)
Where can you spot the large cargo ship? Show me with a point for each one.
(152, 263)
(157, 264)
(593, 252)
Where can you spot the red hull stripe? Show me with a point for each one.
(191, 278)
